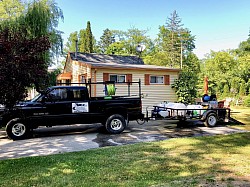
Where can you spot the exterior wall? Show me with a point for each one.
(152, 94)
(78, 69)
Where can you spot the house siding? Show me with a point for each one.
(78, 69)
(152, 94)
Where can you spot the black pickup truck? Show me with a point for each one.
(64, 105)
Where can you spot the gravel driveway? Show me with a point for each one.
(72, 138)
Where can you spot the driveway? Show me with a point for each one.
(61, 139)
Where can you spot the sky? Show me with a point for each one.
(216, 24)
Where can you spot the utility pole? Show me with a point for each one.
(181, 54)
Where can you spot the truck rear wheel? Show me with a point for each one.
(115, 124)
(211, 120)
(16, 129)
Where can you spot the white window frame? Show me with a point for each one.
(157, 76)
(117, 77)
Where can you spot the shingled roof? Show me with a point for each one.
(109, 59)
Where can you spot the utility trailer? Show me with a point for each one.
(207, 114)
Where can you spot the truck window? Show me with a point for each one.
(76, 94)
(58, 94)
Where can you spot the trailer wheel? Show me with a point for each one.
(16, 129)
(211, 120)
(115, 124)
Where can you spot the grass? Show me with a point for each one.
(176, 162)
(242, 114)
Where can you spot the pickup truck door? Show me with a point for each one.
(66, 105)
(57, 105)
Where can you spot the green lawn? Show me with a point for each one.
(201, 161)
(242, 114)
(176, 162)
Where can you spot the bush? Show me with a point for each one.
(247, 101)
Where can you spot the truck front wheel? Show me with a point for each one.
(211, 120)
(16, 129)
(115, 124)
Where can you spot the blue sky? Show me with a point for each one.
(216, 24)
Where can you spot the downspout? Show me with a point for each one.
(95, 81)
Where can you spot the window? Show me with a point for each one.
(58, 94)
(156, 80)
(117, 78)
(82, 78)
(68, 81)
(77, 94)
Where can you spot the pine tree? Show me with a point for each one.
(106, 40)
(174, 41)
(89, 39)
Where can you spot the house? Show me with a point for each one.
(155, 80)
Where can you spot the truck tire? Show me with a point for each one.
(115, 124)
(211, 120)
(16, 129)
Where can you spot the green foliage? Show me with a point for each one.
(244, 48)
(10, 9)
(247, 101)
(71, 43)
(106, 40)
(85, 38)
(220, 69)
(173, 43)
(226, 91)
(88, 39)
(186, 86)
(117, 48)
(52, 77)
(242, 91)
(41, 19)
(28, 44)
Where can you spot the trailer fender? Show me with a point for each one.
(206, 113)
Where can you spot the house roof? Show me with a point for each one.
(102, 58)
(117, 62)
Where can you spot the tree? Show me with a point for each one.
(117, 48)
(186, 85)
(242, 91)
(220, 69)
(86, 41)
(106, 40)
(126, 41)
(10, 9)
(82, 40)
(70, 46)
(89, 39)
(21, 63)
(41, 19)
(226, 92)
(52, 77)
(28, 44)
(174, 42)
